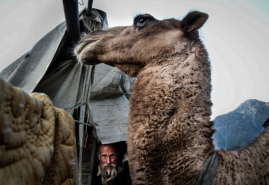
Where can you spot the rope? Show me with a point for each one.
(79, 2)
(266, 123)
(92, 22)
(89, 125)
(77, 104)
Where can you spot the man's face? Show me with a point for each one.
(108, 157)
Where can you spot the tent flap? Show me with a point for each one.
(100, 92)
(33, 66)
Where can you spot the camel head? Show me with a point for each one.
(143, 44)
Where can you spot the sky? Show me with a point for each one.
(236, 37)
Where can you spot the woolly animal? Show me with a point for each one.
(169, 130)
(37, 140)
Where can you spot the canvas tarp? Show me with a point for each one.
(51, 68)
(28, 70)
(99, 94)
(109, 103)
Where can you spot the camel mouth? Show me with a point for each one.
(84, 52)
(79, 48)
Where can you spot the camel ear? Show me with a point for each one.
(193, 21)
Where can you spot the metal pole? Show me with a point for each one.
(72, 19)
(89, 9)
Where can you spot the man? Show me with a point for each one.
(109, 172)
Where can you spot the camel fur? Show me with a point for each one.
(169, 131)
(37, 140)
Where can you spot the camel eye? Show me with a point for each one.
(141, 21)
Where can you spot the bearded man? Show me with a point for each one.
(109, 172)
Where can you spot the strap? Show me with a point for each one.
(208, 171)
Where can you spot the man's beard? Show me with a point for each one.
(111, 172)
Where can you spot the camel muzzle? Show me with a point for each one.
(82, 45)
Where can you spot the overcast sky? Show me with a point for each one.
(236, 36)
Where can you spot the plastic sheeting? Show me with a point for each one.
(50, 68)
(62, 86)
(98, 93)
(109, 103)
(27, 71)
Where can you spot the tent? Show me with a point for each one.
(96, 96)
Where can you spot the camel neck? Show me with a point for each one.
(169, 119)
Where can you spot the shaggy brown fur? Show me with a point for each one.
(169, 134)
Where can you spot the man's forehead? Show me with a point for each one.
(108, 149)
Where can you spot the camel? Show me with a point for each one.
(169, 130)
(37, 140)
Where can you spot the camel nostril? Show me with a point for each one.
(81, 46)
